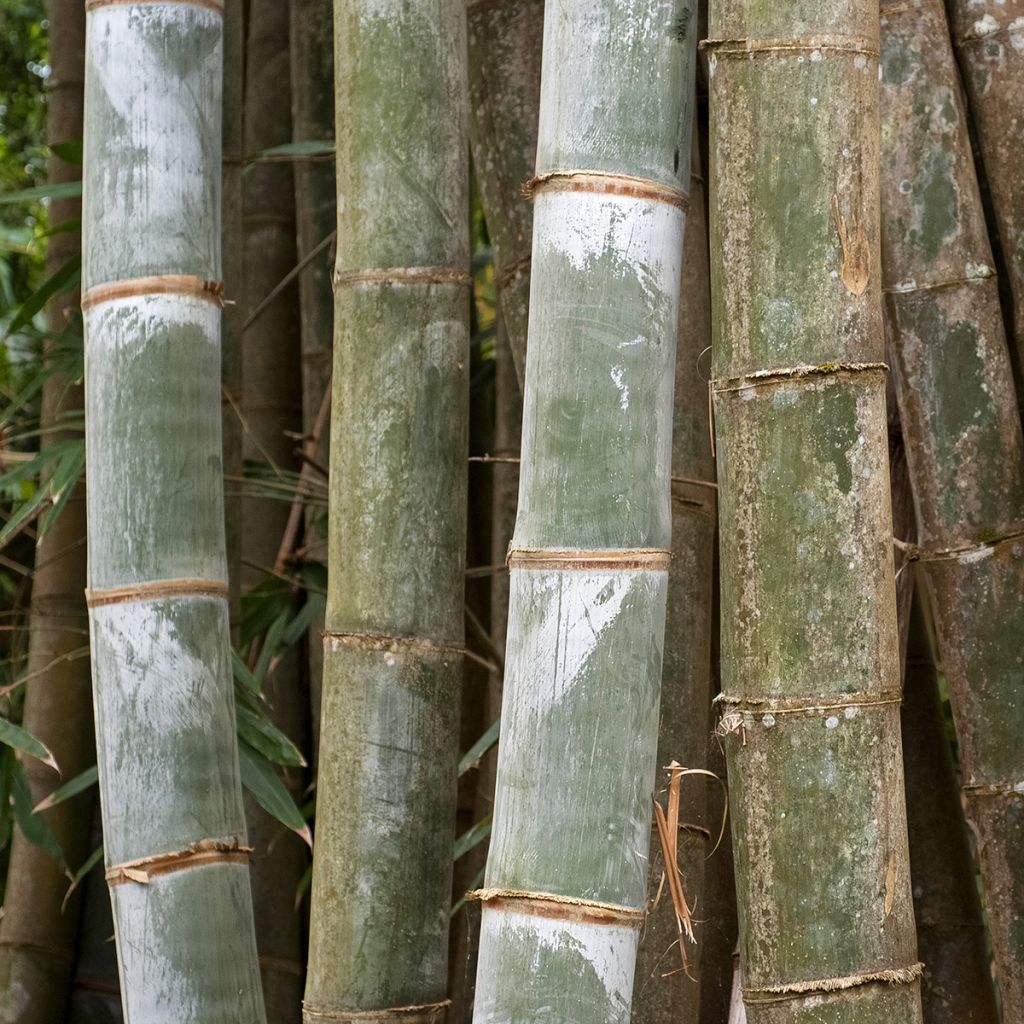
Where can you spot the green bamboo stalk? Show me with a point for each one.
(232, 249)
(174, 831)
(567, 872)
(665, 993)
(312, 68)
(37, 933)
(272, 412)
(810, 660)
(957, 982)
(989, 39)
(392, 648)
(504, 102)
(964, 444)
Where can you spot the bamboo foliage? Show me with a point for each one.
(504, 102)
(174, 832)
(37, 932)
(810, 668)
(989, 40)
(665, 990)
(567, 871)
(393, 643)
(961, 424)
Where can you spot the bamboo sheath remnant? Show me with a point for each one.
(809, 670)
(589, 557)
(393, 644)
(964, 445)
(165, 730)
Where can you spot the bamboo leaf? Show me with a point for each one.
(67, 190)
(63, 280)
(243, 675)
(90, 862)
(77, 785)
(33, 826)
(471, 758)
(263, 736)
(271, 643)
(21, 739)
(307, 613)
(70, 153)
(471, 838)
(262, 780)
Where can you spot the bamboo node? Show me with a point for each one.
(155, 590)
(389, 276)
(821, 44)
(984, 789)
(743, 710)
(652, 559)
(424, 1013)
(388, 642)
(607, 183)
(200, 854)
(794, 989)
(973, 552)
(510, 271)
(782, 375)
(559, 908)
(158, 284)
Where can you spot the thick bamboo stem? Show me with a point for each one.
(567, 871)
(394, 638)
(504, 102)
(989, 39)
(810, 665)
(174, 831)
(272, 408)
(665, 992)
(964, 444)
(312, 68)
(37, 932)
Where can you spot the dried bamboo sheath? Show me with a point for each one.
(809, 649)
(161, 672)
(392, 655)
(567, 872)
(964, 444)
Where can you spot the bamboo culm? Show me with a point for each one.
(665, 993)
(810, 669)
(961, 424)
(393, 642)
(37, 931)
(567, 872)
(174, 830)
(504, 103)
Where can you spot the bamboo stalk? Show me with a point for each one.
(174, 831)
(964, 444)
(810, 661)
(666, 991)
(504, 101)
(37, 933)
(567, 871)
(393, 643)
(312, 68)
(272, 408)
(988, 36)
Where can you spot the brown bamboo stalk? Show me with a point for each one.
(272, 410)
(37, 933)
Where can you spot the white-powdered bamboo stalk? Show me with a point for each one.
(566, 877)
(174, 831)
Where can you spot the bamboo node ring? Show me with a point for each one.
(389, 276)
(607, 183)
(979, 790)
(201, 854)
(782, 375)
(559, 908)
(424, 1013)
(961, 552)
(389, 642)
(835, 44)
(155, 590)
(653, 559)
(741, 710)
(796, 989)
(159, 284)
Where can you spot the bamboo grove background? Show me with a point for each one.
(866, 863)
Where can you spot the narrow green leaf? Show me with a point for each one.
(243, 675)
(67, 190)
(472, 837)
(271, 643)
(304, 883)
(77, 785)
(263, 736)
(306, 614)
(262, 780)
(33, 826)
(90, 862)
(21, 739)
(471, 758)
(64, 279)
